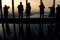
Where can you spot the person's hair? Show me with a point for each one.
(28, 3)
(5, 5)
(20, 2)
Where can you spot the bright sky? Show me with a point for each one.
(34, 3)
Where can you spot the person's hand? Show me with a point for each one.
(8, 7)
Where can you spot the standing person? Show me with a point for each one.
(6, 16)
(20, 9)
(42, 9)
(41, 24)
(28, 30)
(6, 11)
(28, 10)
(57, 24)
(58, 11)
(52, 11)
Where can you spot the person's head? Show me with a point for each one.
(58, 5)
(41, 2)
(20, 3)
(28, 4)
(5, 5)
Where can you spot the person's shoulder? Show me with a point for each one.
(18, 5)
(21, 5)
(8, 7)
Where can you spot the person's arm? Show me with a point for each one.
(17, 6)
(30, 7)
(44, 6)
(23, 7)
(8, 7)
(49, 7)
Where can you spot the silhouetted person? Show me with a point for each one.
(52, 11)
(6, 11)
(41, 25)
(42, 9)
(6, 16)
(57, 24)
(20, 10)
(28, 10)
(58, 12)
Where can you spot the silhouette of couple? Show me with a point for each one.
(21, 9)
(52, 11)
